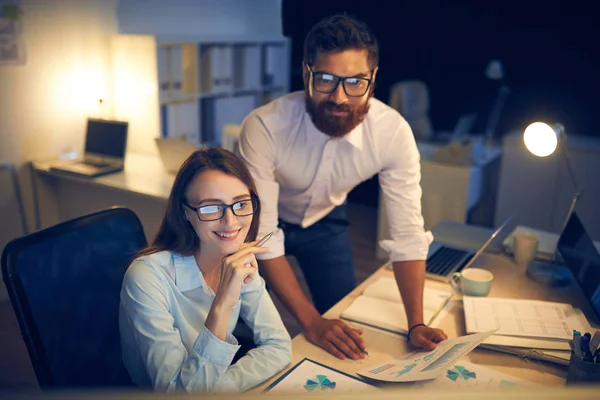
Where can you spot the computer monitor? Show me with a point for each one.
(583, 259)
(106, 138)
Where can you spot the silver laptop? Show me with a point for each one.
(173, 152)
(105, 144)
(444, 260)
(463, 126)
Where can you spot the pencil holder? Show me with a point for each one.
(582, 372)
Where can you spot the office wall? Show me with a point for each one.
(44, 103)
(211, 17)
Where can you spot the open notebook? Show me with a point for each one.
(381, 306)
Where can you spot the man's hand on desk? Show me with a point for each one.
(425, 337)
(336, 337)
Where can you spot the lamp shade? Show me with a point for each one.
(540, 139)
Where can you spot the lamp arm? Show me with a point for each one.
(568, 162)
(503, 92)
(565, 153)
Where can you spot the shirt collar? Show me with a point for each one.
(354, 137)
(187, 273)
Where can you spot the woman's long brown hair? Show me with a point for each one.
(176, 233)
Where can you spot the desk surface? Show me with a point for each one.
(509, 281)
(144, 174)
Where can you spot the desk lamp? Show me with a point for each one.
(495, 71)
(542, 140)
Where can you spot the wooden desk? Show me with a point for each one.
(509, 281)
(143, 186)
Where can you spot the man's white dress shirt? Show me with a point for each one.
(301, 174)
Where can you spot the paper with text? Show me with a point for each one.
(528, 318)
(418, 366)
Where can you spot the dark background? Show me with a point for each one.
(549, 49)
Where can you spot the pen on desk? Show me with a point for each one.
(267, 237)
(595, 342)
(577, 344)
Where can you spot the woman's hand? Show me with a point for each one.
(236, 269)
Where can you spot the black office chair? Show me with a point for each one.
(64, 284)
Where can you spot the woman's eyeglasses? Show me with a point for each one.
(214, 212)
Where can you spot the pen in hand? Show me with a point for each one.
(266, 238)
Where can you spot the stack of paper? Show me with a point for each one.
(381, 306)
(528, 328)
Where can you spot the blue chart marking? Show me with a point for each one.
(446, 357)
(321, 382)
(459, 372)
(406, 369)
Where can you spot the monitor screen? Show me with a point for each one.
(583, 259)
(106, 138)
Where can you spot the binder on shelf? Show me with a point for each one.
(275, 66)
(164, 82)
(220, 111)
(216, 62)
(246, 65)
(176, 69)
(190, 70)
(226, 68)
(181, 121)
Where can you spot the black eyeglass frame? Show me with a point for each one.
(339, 79)
(225, 207)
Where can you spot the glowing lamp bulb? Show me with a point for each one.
(540, 139)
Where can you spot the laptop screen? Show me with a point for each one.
(106, 138)
(583, 259)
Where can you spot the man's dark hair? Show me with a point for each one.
(338, 33)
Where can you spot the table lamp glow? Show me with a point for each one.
(542, 140)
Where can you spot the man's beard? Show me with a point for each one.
(336, 126)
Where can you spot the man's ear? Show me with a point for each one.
(374, 73)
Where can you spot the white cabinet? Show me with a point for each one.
(450, 192)
(540, 189)
(203, 83)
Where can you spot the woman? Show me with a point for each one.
(183, 295)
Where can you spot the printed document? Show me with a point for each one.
(418, 366)
(527, 318)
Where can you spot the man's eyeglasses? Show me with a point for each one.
(214, 212)
(328, 83)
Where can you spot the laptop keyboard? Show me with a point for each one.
(444, 261)
(97, 164)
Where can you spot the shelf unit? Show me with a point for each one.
(203, 83)
(207, 83)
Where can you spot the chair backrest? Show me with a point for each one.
(64, 284)
(411, 99)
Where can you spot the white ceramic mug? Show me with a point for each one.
(472, 281)
(526, 248)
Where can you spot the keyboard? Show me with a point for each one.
(97, 164)
(445, 260)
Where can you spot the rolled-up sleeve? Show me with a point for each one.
(170, 367)
(257, 148)
(400, 181)
(273, 350)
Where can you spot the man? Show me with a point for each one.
(306, 151)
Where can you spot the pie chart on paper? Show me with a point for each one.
(319, 382)
(459, 372)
